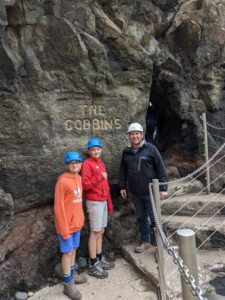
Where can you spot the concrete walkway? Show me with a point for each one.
(123, 283)
(137, 278)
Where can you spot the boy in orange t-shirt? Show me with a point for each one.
(69, 220)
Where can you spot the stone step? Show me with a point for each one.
(145, 262)
(210, 264)
(180, 188)
(203, 226)
(189, 204)
(215, 297)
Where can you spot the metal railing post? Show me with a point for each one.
(187, 251)
(159, 249)
(207, 178)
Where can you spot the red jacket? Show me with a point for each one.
(95, 185)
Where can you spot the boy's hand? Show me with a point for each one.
(110, 212)
(65, 236)
(163, 195)
(104, 174)
(123, 194)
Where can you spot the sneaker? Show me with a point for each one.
(97, 271)
(105, 264)
(79, 278)
(71, 291)
(141, 248)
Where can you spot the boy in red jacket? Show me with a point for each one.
(99, 204)
(69, 220)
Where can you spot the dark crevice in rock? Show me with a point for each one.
(48, 204)
(218, 284)
(15, 15)
(168, 5)
(7, 256)
(174, 131)
(116, 62)
(162, 92)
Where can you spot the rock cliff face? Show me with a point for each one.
(72, 69)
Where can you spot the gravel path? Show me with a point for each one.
(123, 283)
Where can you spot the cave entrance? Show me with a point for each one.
(163, 125)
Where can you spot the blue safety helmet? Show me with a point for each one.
(72, 155)
(94, 142)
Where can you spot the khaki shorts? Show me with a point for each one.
(98, 214)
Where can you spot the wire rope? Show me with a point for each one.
(217, 136)
(190, 200)
(186, 184)
(215, 127)
(187, 221)
(196, 171)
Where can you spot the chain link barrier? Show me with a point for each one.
(183, 269)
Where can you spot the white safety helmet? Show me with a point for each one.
(135, 127)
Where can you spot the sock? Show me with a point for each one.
(67, 278)
(73, 271)
(93, 261)
(99, 256)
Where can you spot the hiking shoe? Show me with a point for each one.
(97, 271)
(141, 248)
(71, 291)
(79, 278)
(105, 264)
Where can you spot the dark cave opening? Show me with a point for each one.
(162, 114)
(174, 133)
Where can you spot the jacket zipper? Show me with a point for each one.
(139, 163)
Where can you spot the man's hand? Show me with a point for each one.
(163, 195)
(104, 174)
(123, 194)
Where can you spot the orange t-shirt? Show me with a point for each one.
(68, 208)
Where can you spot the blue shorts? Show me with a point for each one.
(72, 242)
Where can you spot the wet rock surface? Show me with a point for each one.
(6, 212)
(218, 284)
(28, 253)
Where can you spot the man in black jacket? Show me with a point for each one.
(140, 163)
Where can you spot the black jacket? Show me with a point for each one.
(139, 166)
